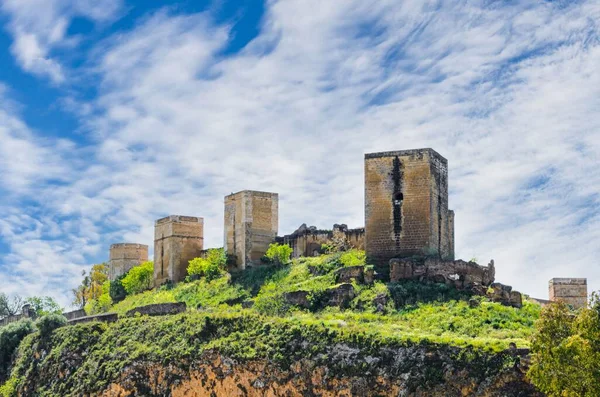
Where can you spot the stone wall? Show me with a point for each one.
(406, 205)
(572, 291)
(124, 256)
(26, 312)
(177, 240)
(307, 241)
(75, 314)
(251, 224)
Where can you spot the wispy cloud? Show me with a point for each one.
(508, 93)
(40, 26)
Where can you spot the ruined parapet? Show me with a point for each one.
(177, 240)
(26, 312)
(572, 291)
(251, 225)
(308, 240)
(461, 274)
(124, 256)
(406, 206)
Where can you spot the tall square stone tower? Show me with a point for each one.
(572, 291)
(406, 205)
(177, 240)
(124, 256)
(251, 224)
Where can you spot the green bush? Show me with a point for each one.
(117, 291)
(139, 278)
(103, 303)
(210, 267)
(280, 253)
(353, 257)
(47, 324)
(10, 338)
(566, 351)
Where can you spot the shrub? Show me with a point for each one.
(10, 338)
(566, 351)
(280, 253)
(117, 291)
(103, 303)
(210, 267)
(47, 324)
(139, 278)
(353, 257)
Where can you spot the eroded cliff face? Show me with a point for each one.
(192, 354)
(216, 375)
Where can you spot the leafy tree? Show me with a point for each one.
(43, 305)
(10, 305)
(117, 290)
(139, 278)
(280, 253)
(10, 338)
(101, 304)
(566, 351)
(49, 323)
(91, 285)
(210, 267)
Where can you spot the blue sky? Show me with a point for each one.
(114, 113)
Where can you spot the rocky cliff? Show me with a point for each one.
(199, 354)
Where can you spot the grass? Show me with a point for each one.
(412, 311)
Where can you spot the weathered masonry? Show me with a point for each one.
(124, 256)
(406, 205)
(308, 240)
(251, 224)
(177, 240)
(572, 291)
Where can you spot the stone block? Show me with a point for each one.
(297, 298)
(340, 295)
(349, 273)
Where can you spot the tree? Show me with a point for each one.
(279, 253)
(44, 305)
(91, 285)
(211, 266)
(139, 278)
(566, 351)
(10, 305)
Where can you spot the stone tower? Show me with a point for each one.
(251, 223)
(177, 240)
(406, 205)
(572, 291)
(124, 256)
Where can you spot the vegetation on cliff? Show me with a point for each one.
(250, 316)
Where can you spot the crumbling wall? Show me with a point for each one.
(177, 240)
(406, 205)
(308, 240)
(572, 291)
(251, 225)
(26, 312)
(124, 256)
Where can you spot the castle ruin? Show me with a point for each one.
(124, 256)
(408, 233)
(251, 224)
(572, 291)
(177, 240)
(406, 206)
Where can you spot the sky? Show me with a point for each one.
(115, 113)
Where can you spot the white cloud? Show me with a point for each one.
(509, 94)
(40, 26)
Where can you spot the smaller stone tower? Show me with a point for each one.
(124, 256)
(177, 240)
(251, 224)
(572, 291)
